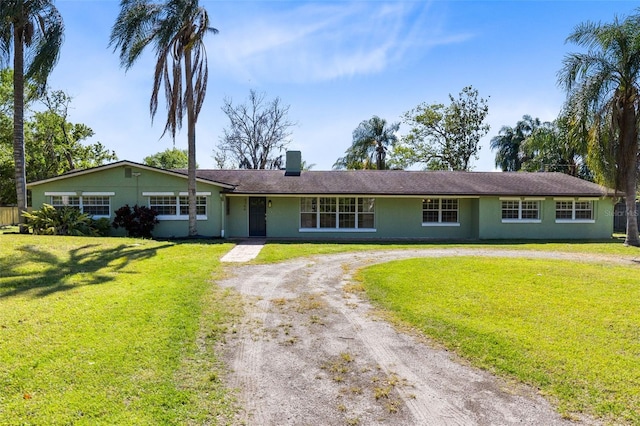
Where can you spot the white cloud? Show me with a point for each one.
(326, 41)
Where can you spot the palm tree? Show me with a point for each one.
(176, 29)
(603, 88)
(508, 143)
(32, 30)
(371, 140)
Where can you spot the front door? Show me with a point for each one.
(257, 217)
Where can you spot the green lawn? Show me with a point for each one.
(278, 252)
(103, 331)
(570, 329)
(122, 331)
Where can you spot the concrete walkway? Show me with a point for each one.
(244, 251)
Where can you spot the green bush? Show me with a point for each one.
(102, 226)
(66, 220)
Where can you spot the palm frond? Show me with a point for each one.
(46, 43)
(42, 29)
(134, 29)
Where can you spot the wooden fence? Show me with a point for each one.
(9, 216)
(620, 217)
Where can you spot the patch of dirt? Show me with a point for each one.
(310, 353)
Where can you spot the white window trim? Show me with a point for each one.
(439, 223)
(198, 194)
(98, 194)
(573, 210)
(173, 217)
(170, 217)
(81, 200)
(158, 194)
(320, 230)
(520, 201)
(95, 194)
(61, 194)
(575, 221)
(337, 213)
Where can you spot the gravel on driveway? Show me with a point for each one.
(311, 352)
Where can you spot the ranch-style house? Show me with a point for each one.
(350, 205)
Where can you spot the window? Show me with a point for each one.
(530, 210)
(564, 210)
(521, 211)
(327, 212)
(201, 206)
(440, 211)
(170, 207)
(337, 213)
(94, 205)
(347, 209)
(308, 212)
(574, 211)
(366, 208)
(583, 210)
(58, 201)
(164, 205)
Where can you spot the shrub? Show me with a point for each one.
(66, 220)
(138, 221)
(102, 226)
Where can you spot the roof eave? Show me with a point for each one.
(75, 173)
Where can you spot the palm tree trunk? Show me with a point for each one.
(380, 157)
(629, 147)
(191, 144)
(632, 213)
(18, 124)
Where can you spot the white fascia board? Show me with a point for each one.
(99, 194)
(158, 194)
(198, 194)
(61, 194)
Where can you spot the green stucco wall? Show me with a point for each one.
(401, 218)
(491, 226)
(130, 190)
(395, 218)
(236, 217)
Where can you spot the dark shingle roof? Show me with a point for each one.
(407, 183)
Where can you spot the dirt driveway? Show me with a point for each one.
(311, 352)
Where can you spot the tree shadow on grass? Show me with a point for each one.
(32, 268)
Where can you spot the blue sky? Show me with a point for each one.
(336, 63)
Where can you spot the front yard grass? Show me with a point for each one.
(104, 331)
(281, 251)
(122, 331)
(570, 329)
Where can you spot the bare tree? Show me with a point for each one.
(258, 132)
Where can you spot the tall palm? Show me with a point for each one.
(509, 156)
(33, 31)
(603, 87)
(176, 29)
(371, 140)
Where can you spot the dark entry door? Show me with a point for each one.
(257, 217)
